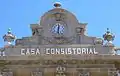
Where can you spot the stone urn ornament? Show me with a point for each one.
(109, 37)
(9, 37)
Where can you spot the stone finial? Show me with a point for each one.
(9, 37)
(57, 4)
(108, 36)
(99, 41)
(9, 30)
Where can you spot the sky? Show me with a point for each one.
(99, 14)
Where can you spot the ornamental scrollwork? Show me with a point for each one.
(37, 72)
(6, 72)
(60, 71)
(59, 40)
(83, 72)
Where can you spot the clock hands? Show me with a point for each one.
(58, 30)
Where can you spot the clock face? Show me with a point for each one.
(58, 28)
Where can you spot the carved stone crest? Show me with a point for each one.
(36, 72)
(60, 71)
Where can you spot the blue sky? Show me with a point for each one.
(99, 14)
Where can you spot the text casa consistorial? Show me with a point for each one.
(38, 51)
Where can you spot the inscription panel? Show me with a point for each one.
(56, 49)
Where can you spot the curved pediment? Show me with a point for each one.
(65, 15)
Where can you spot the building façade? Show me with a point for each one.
(59, 46)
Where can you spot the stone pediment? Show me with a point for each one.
(58, 26)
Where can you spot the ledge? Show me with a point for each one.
(63, 57)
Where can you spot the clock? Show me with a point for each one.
(58, 29)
